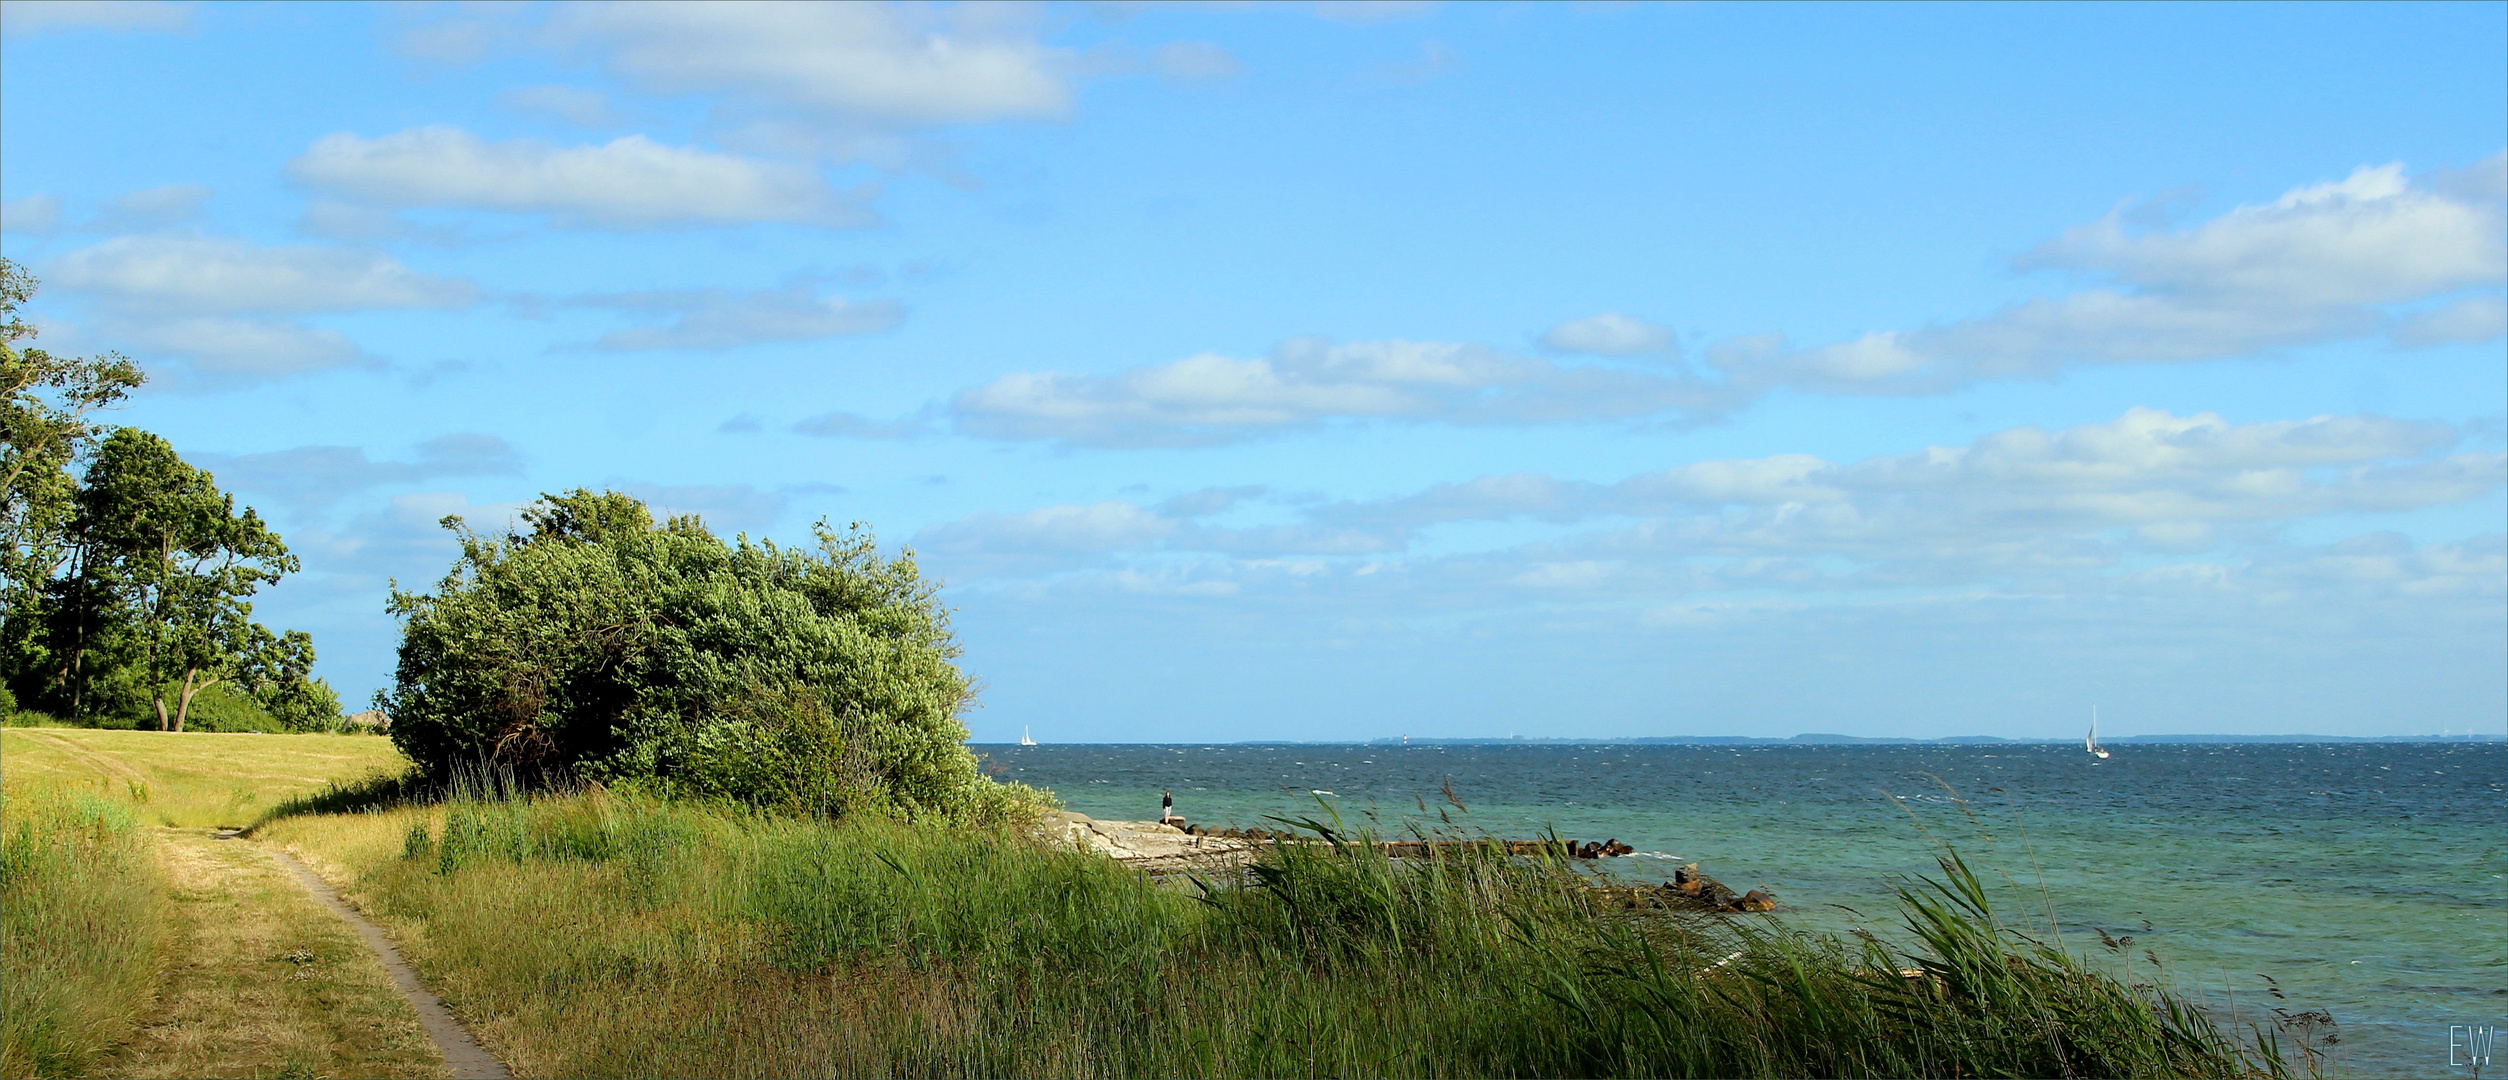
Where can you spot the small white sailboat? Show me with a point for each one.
(2091, 742)
(1027, 740)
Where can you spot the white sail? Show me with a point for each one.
(1024, 738)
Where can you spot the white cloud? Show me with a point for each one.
(2324, 262)
(2470, 321)
(1112, 525)
(1434, 59)
(988, 544)
(225, 352)
(208, 301)
(403, 539)
(152, 208)
(336, 220)
(157, 276)
(2023, 501)
(1194, 61)
(34, 215)
(1609, 334)
(570, 104)
(1210, 399)
(725, 508)
(1374, 11)
(27, 17)
(845, 425)
(2363, 256)
(320, 475)
(628, 183)
(727, 319)
(2371, 238)
(843, 61)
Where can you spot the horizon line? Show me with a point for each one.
(1805, 739)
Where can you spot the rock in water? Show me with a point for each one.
(1688, 882)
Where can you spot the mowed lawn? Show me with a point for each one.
(191, 779)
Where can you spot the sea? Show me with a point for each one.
(2364, 880)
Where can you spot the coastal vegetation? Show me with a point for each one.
(618, 935)
(589, 930)
(598, 645)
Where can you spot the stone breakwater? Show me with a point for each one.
(1161, 848)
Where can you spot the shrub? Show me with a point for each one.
(600, 646)
(220, 707)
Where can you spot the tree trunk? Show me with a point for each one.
(184, 708)
(161, 724)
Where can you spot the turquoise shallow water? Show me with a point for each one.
(2368, 880)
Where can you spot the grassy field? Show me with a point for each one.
(591, 934)
(136, 942)
(194, 779)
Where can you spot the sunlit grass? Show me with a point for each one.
(82, 908)
(598, 935)
(193, 779)
(133, 944)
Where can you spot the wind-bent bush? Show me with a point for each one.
(600, 646)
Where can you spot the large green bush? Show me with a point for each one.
(598, 646)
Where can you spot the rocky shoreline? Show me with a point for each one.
(1161, 848)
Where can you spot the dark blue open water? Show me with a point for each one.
(2370, 880)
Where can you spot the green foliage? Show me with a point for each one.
(125, 585)
(601, 646)
(223, 708)
(44, 403)
(170, 550)
(153, 613)
(1965, 996)
(877, 890)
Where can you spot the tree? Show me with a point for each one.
(602, 646)
(127, 584)
(44, 404)
(161, 550)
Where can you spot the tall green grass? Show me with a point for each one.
(81, 914)
(602, 935)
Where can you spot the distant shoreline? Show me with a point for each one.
(1817, 740)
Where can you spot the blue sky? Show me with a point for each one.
(1351, 370)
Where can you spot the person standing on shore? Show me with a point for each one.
(1166, 807)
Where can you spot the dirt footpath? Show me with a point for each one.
(259, 980)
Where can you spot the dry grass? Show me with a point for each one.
(192, 779)
(260, 981)
(136, 951)
(82, 910)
